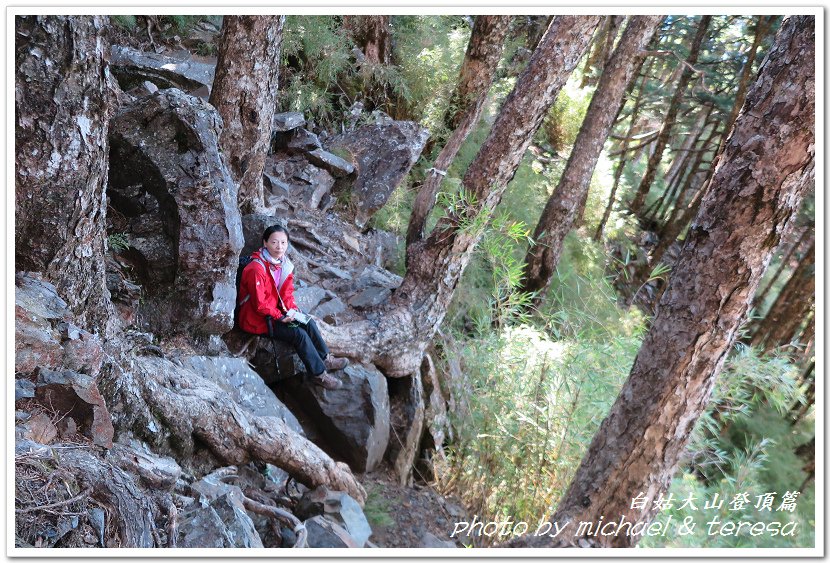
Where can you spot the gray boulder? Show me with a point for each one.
(297, 140)
(159, 473)
(383, 153)
(429, 540)
(337, 506)
(169, 143)
(37, 310)
(325, 533)
(243, 385)
(330, 309)
(132, 68)
(221, 510)
(308, 298)
(354, 418)
(338, 167)
(369, 297)
(287, 121)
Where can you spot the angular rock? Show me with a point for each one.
(298, 140)
(373, 275)
(241, 531)
(329, 309)
(169, 142)
(354, 418)
(276, 361)
(83, 352)
(40, 429)
(132, 68)
(406, 408)
(36, 342)
(430, 541)
(325, 533)
(338, 167)
(156, 472)
(202, 527)
(276, 186)
(38, 297)
(243, 385)
(308, 298)
(23, 389)
(369, 297)
(383, 153)
(337, 506)
(287, 121)
(74, 394)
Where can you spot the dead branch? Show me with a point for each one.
(76, 498)
(172, 524)
(274, 512)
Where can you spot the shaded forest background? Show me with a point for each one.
(540, 360)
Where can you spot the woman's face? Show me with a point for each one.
(277, 244)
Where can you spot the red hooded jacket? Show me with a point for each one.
(259, 296)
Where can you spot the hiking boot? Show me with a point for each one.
(327, 381)
(333, 363)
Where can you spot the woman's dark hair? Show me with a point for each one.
(275, 229)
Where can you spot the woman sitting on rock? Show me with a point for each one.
(267, 307)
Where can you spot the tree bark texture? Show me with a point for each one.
(396, 340)
(671, 116)
(754, 195)
(792, 306)
(63, 102)
(466, 104)
(371, 35)
(566, 204)
(245, 95)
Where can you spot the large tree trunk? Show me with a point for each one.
(791, 307)
(754, 195)
(371, 35)
(466, 104)
(566, 204)
(395, 339)
(62, 109)
(245, 94)
(671, 115)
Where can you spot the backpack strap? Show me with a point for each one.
(264, 267)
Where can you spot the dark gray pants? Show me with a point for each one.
(307, 342)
